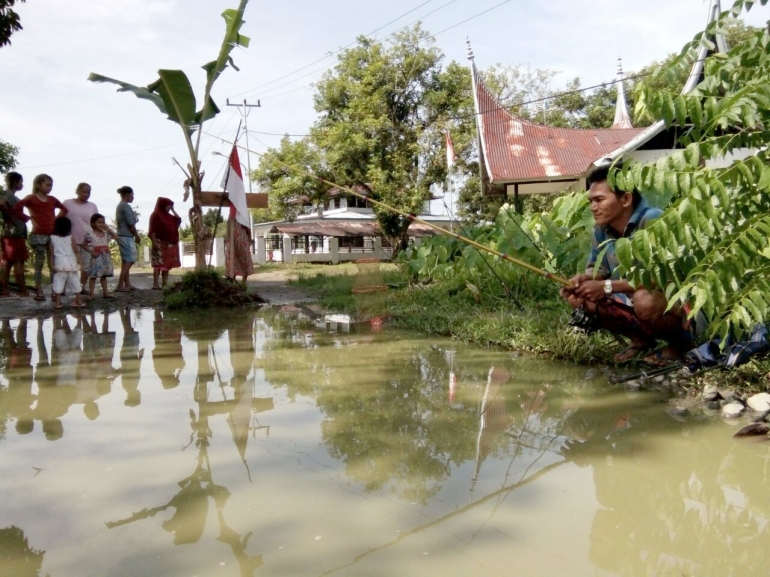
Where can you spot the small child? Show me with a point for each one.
(41, 209)
(97, 244)
(66, 262)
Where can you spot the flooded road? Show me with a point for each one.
(261, 443)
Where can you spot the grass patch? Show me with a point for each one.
(480, 318)
(481, 314)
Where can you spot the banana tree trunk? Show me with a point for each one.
(201, 233)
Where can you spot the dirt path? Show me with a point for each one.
(272, 286)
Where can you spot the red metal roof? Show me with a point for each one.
(516, 150)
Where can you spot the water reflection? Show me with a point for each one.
(17, 396)
(17, 557)
(488, 458)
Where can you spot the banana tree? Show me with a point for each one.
(173, 95)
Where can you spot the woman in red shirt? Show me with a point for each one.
(41, 208)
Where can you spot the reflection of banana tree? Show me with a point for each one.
(191, 503)
(173, 95)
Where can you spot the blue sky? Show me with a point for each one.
(66, 125)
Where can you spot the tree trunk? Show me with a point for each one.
(201, 233)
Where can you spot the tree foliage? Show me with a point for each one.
(287, 187)
(378, 127)
(10, 21)
(710, 247)
(8, 154)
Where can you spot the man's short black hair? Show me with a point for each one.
(602, 172)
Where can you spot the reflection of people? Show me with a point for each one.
(80, 212)
(14, 236)
(18, 371)
(164, 234)
(95, 368)
(237, 249)
(96, 365)
(128, 237)
(167, 358)
(56, 382)
(66, 350)
(639, 314)
(130, 359)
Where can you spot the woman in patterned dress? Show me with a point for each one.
(164, 234)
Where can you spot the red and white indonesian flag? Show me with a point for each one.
(232, 182)
(450, 152)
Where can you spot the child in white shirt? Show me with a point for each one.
(66, 262)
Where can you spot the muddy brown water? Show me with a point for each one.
(262, 443)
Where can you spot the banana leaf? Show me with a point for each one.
(177, 94)
(139, 91)
(233, 23)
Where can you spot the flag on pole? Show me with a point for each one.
(450, 152)
(232, 183)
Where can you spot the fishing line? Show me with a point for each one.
(486, 262)
(551, 276)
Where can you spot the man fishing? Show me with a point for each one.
(614, 303)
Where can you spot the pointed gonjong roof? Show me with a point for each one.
(513, 149)
(622, 117)
(696, 75)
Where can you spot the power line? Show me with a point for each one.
(101, 157)
(330, 54)
(393, 33)
(277, 133)
(344, 47)
(472, 17)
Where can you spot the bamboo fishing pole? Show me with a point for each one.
(542, 272)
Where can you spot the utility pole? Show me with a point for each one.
(245, 109)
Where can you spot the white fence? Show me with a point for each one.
(324, 250)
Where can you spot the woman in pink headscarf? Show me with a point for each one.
(164, 234)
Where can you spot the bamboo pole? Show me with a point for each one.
(542, 272)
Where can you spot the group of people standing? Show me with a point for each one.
(74, 239)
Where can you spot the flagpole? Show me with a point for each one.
(222, 200)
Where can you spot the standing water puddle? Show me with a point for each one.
(251, 443)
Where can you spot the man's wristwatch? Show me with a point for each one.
(608, 287)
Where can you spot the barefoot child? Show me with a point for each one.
(41, 208)
(66, 262)
(14, 236)
(97, 244)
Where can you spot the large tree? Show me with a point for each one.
(379, 126)
(9, 21)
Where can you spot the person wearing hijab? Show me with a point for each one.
(164, 234)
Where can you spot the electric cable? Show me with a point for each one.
(330, 54)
